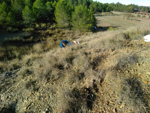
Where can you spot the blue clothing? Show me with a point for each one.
(64, 41)
(95, 28)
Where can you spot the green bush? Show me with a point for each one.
(83, 19)
(28, 29)
(138, 15)
(43, 25)
(111, 28)
(11, 29)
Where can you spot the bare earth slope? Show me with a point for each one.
(107, 73)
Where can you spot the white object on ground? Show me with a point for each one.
(76, 42)
(147, 38)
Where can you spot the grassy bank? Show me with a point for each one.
(107, 72)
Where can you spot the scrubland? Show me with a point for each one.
(108, 72)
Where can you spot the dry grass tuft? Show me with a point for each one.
(107, 72)
(38, 48)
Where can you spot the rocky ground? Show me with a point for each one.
(107, 73)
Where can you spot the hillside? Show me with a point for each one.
(108, 72)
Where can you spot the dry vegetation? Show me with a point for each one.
(107, 72)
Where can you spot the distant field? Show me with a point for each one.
(121, 22)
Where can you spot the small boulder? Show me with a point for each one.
(147, 38)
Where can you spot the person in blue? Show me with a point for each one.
(95, 28)
(64, 43)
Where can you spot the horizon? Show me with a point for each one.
(127, 2)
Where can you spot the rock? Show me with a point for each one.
(147, 38)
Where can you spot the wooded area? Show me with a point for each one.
(75, 14)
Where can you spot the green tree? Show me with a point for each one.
(84, 2)
(108, 9)
(3, 12)
(144, 9)
(63, 14)
(130, 8)
(27, 15)
(100, 7)
(50, 6)
(94, 7)
(18, 6)
(39, 9)
(83, 19)
(10, 19)
(28, 3)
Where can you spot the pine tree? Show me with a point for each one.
(50, 7)
(17, 7)
(39, 10)
(83, 19)
(3, 12)
(27, 15)
(63, 14)
(108, 9)
(130, 8)
(28, 3)
(94, 7)
(10, 19)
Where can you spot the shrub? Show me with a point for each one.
(128, 16)
(11, 29)
(1, 66)
(43, 25)
(138, 15)
(38, 47)
(28, 29)
(111, 28)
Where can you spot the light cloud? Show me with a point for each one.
(144, 3)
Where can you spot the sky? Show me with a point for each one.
(126, 2)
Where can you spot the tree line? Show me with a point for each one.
(129, 8)
(75, 14)
(66, 13)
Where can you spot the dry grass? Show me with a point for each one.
(120, 23)
(107, 72)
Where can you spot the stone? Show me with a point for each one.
(147, 38)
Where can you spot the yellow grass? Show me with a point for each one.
(120, 23)
(107, 72)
